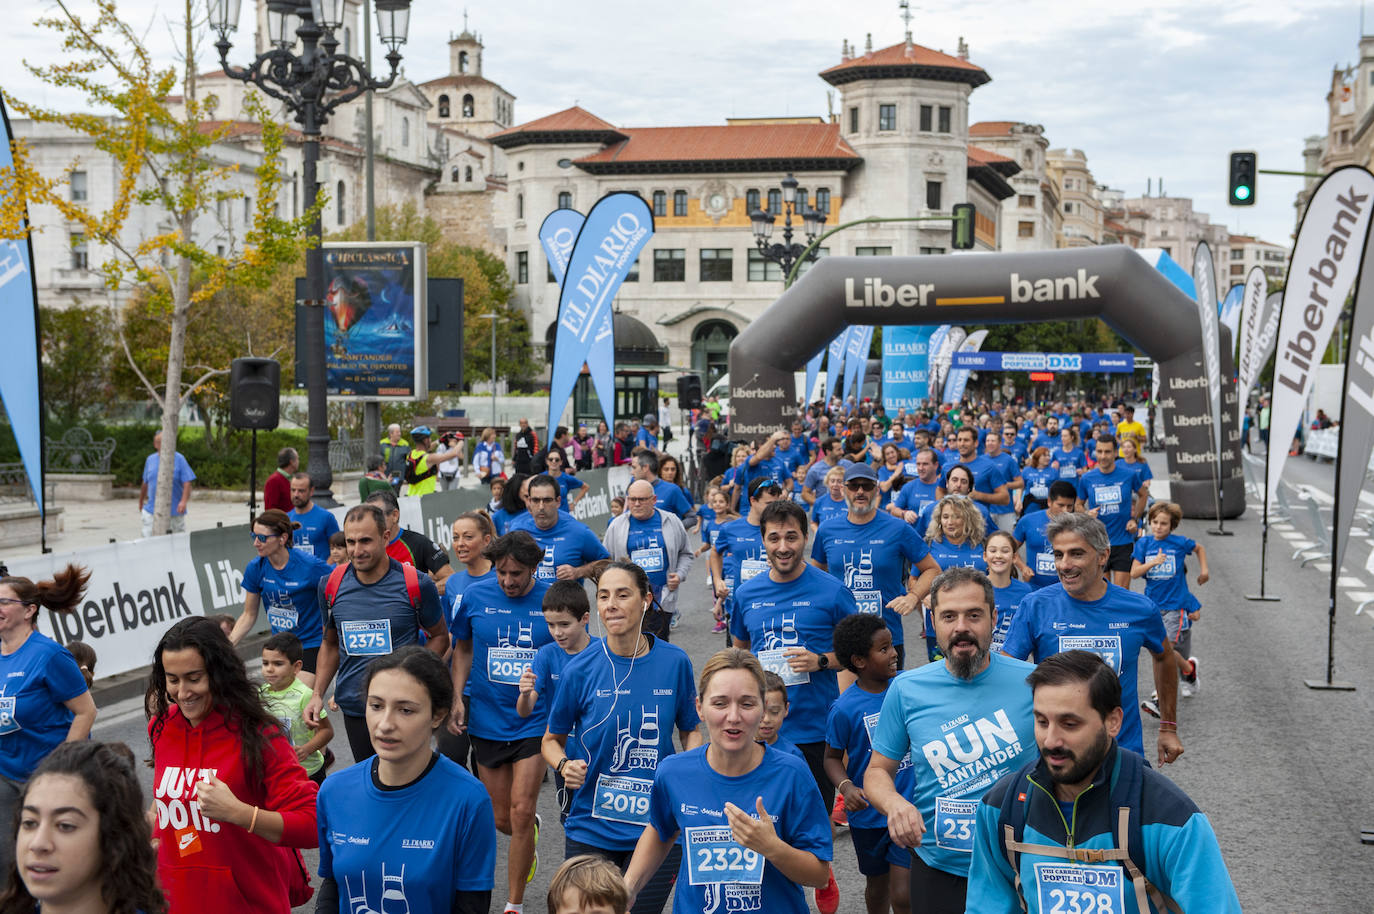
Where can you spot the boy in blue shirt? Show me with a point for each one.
(1160, 559)
(863, 645)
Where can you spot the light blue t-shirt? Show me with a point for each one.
(620, 712)
(800, 613)
(181, 474)
(1115, 627)
(916, 495)
(1008, 601)
(687, 805)
(505, 632)
(872, 560)
(963, 735)
(740, 545)
(1030, 530)
(826, 508)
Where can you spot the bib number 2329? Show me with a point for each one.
(713, 856)
(1067, 888)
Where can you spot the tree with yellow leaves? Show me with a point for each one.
(164, 158)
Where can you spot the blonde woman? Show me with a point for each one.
(955, 534)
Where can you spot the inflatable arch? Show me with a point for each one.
(1110, 282)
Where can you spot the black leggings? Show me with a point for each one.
(815, 759)
(359, 740)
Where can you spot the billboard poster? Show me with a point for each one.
(375, 320)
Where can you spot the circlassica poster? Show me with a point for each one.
(375, 320)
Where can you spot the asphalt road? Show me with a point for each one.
(1284, 772)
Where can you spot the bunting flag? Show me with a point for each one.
(608, 244)
(21, 383)
(1326, 259)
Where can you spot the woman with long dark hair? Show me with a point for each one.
(286, 580)
(222, 838)
(81, 839)
(430, 837)
(635, 684)
(44, 698)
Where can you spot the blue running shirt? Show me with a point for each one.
(853, 718)
(567, 542)
(290, 597)
(1030, 530)
(506, 633)
(1167, 584)
(872, 560)
(1112, 495)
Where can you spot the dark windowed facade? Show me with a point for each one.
(854, 120)
(751, 200)
(564, 200)
(927, 118)
(670, 265)
(775, 202)
(945, 114)
(522, 266)
(933, 193)
(717, 264)
(823, 199)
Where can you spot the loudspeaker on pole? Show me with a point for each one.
(254, 393)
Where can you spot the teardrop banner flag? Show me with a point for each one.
(1357, 411)
(1326, 259)
(906, 366)
(20, 381)
(834, 365)
(1205, 289)
(557, 235)
(813, 371)
(933, 347)
(1228, 312)
(861, 364)
(854, 355)
(1268, 336)
(958, 377)
(942, 361)
(1252, 314)
(607, 245)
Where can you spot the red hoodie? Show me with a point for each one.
(209, 867)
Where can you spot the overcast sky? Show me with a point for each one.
(1164, 89)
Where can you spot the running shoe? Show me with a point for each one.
(534, 863)
(1185, 689)
(1150, 707)
(828, 898)
(837, 814)
(720, 627)
(1193, 679)
(676, 618)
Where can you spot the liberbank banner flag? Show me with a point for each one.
(1357, 410)
(906, 363)
(1326, 260)
(607, 245)
(958, 377)
(1205, 285)
(19, 378)
(1252, 315)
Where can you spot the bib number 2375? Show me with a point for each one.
(367, 638)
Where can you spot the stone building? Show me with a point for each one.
(1031, 220)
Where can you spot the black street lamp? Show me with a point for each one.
(787, 253)
(301, 81)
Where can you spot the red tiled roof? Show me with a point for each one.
(569, 120)
(737, 142)
(977, 155)
(901, 60)
(991, 128)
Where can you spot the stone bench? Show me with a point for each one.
(65, 487)
(20, 525)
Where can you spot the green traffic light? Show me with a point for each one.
(1242, 192)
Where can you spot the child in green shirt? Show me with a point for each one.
(285, 697)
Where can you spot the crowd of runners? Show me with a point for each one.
(928, 652)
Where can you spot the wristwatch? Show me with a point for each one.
(823, 660)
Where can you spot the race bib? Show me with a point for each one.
(1164, 570)
(954, 824)
(1108, 647)
(367, 638)
(622, 799)
(1068, 471)
(1040, 491)
(282, 617)
(650, 559)
(7, 722)
(507, 664)
(870, 601)
(1044, 564)
(713, 856)
(752, 568)
(909, 469)
(1108, 499)
(776, 661)
(1068, 888)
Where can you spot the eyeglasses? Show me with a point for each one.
(540, 501)
(10, 601)
(860, 485)
(639, 501)
(264, 537)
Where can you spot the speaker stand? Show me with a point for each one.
(253, 481)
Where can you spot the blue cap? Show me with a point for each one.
(860, 471)
(420, 431)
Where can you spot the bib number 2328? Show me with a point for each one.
(1067, 888)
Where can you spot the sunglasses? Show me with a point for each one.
(264, 537)
(861, 485)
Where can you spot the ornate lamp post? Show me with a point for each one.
(787, 253)
(312, 83)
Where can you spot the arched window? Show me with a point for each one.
(660, 203)
(711, 349)
(564, 200)
(454, 174)
(462, 61)
(340, 208)
(443, 106)
(405, 131)
(467, 174)
(468, 105)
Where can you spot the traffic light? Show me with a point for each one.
(1243, 169)
(963, 226)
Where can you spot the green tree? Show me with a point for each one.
(78, 355)
(163, 159)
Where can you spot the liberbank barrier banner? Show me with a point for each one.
(1085, 362)
(19, 377)
(377, 324)
(958, 377)
(138, 589)
(1326, 260)
(1357, 410)
(906, 363)
(1205, 287)
(607, 245)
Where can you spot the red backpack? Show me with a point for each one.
(331, 587)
